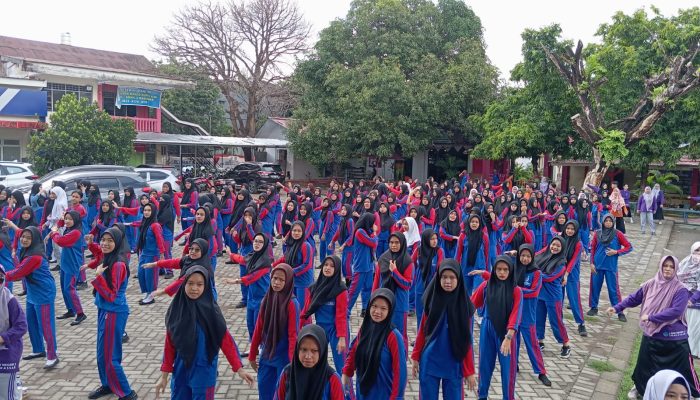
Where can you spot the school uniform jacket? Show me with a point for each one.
(437, 356)
(332, 391)
(603, 262)
(284, 349)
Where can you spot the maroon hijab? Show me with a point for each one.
(273, 309)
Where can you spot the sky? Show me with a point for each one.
(129, 26)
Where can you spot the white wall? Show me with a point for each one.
(16, 134)
(420, 166)
(300, 168)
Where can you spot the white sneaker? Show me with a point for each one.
(51, 363)
(633, 394)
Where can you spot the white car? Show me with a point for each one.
(156, 176)
(13, 174)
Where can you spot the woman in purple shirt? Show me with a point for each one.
(665, 333)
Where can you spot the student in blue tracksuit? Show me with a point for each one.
(227, 207)
(310, 225)
(394, 271)
(105, 219)
(111, 280)
(377, 353)
(33, 266)
(607, 246)
(166, 219)
(552, 264)
(387, 222)
(195, 332)
(242, 234)
(584, 217)
(364, 242)
(449, 234)
(130, 202)
(502, 301)
(493, 229)
(327, 229)
(328, 303)
(573, 249)
(444, 354)
(7, 248)
(300, 255)
(72, 248)
(308, 375)
(473, 251)
(276, 331)
(343, 236)
(93, 205)
(241, 202)
(150, 247)
(37, 200)
(188, 202)
(426, 259)
(256, 279)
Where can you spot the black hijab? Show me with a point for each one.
(309, 383)
(522, 270)
(451, 228)
(290, 216)
(343, 225)
(130, 197)
(185, 314)
(294, 246)
(187, 193)
(427, 253)
(145, 224)
(239, 207)
(387, 220)
(401, 257)
(606, 235)
(548, 262)
(309, 211)
(93, 195)
(500, 298)
(371, 339)
(256, 260)
(77, 221)
(475, 239)
(186, 262)
(366, 223)
(36, 248)
(456, 305)
(115, 255)
(326, 289)
(243, 230)
(106, 216)
(166, 217)
(202, 230)
(557, 226)
(19, 199)
(30, 222)
(570, 241)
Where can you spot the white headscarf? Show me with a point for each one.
(649, 198)
(689, 268)
(412, 236)
(60, 205)
(655, 191)
(658, 385)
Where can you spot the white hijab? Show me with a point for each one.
(689, 268)
(658, 385)
(60, 205)
(412, 236)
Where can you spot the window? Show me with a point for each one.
(10, 150)
(158, 176)
(105, 184)
(127, 182)
(109, 105)
(55, 91)
(11, 170)
(144, 175)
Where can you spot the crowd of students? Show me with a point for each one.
(453, 254)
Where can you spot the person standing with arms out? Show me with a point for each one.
(328, 303)
(473, 251)
(444, 347)
(300, 256)
(607, 246)
(377, 353)
(364, 242)
(426, 260)
(276, 331)
(308, 376)
(646, 207)
(552, 264)
(343, 235)
(150, 247)
(573, 249)
(110, 283)
(502, 301)
(33, 266)
(195, 332)
(189, 201)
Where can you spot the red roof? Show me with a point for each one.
(63, 54)
(283, 122)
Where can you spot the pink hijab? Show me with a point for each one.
(658, 295)
(616, 200)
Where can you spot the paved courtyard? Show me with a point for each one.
(575, 378)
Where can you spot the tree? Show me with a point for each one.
(199, 104)
(80, 133)
(389, 78)
(665, 181)
(243, 46)
(625, 86)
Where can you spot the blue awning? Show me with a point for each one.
(22, 102)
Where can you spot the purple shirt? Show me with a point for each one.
(12, 351)
(674, 331)
(626, 196)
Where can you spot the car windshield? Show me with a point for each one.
(271, 168)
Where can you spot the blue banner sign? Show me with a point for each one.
(133, 96)
(22, 102)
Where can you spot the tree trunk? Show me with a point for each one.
(644, 174)
(534, 160)
(597, 173)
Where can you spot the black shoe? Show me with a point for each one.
(161, 272)
(34, 355)
(91, 256)
(125, 338)
(81, 286)
(592, 312)
(412, 313)
(240, 305)
(565, 352)
(362, 314)
(22, 293)
(100, 392)
(229, 263)
(52, 260)
(133, 251)
(541, 346)
(66, 315)
(220, 253)
(143, 302)
(182, 243)
(245, 354)
(568, 306)
(545, 381)
(80, 318)
(55, 268)
(168, 275)
(130, 396)
(582, 330)
(621, 317)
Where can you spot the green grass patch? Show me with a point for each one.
(601, 366)
(627, 376)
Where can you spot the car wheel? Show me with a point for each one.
(253, 187)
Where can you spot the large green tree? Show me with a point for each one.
(389, 78)
(636, 90)
(80, 133)
(199, 104)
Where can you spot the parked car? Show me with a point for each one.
(258, 175)
(105, 180)
(157, 176)
(16, 173)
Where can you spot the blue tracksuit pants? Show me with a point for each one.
(572, 290)
(452, 389)
(361, 283)
(41, 323)
(610, 278)
(332, 335)
(302, 293)
(489, 349)
(148, 277)
(70, 295)
(184, 392)
(110, 328)
(527, 335)
(268, 374)
(553, 310)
